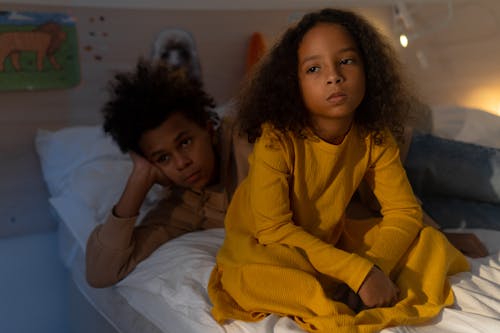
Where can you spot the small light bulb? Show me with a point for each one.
(403, 40)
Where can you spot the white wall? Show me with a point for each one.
(463, 54)
(216, 4)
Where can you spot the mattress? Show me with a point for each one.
(107, 302)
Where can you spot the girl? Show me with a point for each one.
(322, 109)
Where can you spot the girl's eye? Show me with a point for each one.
(346, 61)
(312, 69)
(186, 143)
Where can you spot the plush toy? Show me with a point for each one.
(176, 48)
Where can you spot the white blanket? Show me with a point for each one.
(175, 277)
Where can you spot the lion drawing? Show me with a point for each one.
(45, 40)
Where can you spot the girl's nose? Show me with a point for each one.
(334, 77)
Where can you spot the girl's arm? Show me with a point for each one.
(270, 190)
(401, 213)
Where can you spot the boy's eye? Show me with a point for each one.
(186, 142)
(163, 158)
(312, 69)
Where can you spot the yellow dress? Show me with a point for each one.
(288, 244)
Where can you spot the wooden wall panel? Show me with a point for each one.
(117, 38)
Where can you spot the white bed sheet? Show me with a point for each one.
(110, 304)
(176, 275)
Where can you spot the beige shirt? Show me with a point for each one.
(116, 247)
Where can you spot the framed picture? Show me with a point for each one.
(38, 51)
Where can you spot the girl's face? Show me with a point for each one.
(182, 150)
(331, 75)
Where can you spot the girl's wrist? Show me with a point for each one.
(370, 272)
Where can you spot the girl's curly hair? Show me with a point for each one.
(143, 99)
(272, 94)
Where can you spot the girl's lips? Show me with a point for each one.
(337, 98)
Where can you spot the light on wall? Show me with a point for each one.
(408, 30)
(404, 22)
(484, 98)
(403, 39)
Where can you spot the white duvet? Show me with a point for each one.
(175, 277)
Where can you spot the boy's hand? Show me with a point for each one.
(378, 290)
(468, 244)
(144, 168)
(144, 175)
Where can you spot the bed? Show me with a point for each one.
(85, 173)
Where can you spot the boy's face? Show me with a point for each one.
(182, 150)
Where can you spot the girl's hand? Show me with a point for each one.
(378, 290)
(144, 168)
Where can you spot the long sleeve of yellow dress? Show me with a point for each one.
(401, 213)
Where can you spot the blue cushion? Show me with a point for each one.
(447, 168)
(458, 182)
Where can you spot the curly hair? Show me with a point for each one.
(272, 93)
(143, 99)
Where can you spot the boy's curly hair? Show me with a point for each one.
(143, 99)
(273, 93)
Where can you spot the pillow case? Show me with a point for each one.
(62, 151)
(86, 174)
(466, 124)
(441, 167)
(458, 181)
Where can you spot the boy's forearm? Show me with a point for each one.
(133, 196)
(108, 251)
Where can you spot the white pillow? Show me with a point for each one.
(92, 190)
(466, 125)
(86, 174)
(62, 151)
(99, 184)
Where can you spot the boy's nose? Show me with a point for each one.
(182, 161)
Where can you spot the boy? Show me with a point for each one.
(165, 120)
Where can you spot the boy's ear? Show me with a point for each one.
(210, 126)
